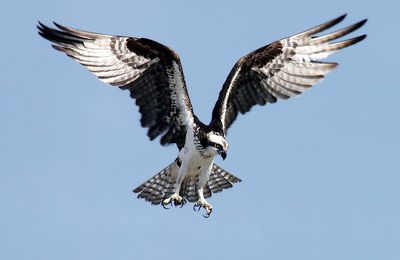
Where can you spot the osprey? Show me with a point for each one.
(153, 74)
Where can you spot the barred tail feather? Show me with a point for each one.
(189, 188)
(219, 180)
(160, 186)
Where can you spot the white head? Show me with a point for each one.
(217, 142)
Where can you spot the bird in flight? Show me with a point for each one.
(153, 74)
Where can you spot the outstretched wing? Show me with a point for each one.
(149, 70)
(280, 70)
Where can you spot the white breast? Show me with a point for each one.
(193, 162)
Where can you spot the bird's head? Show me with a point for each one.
(217, 142)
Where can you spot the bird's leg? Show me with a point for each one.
(202, 203)
(175, 198)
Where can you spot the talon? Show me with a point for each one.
(198, 207)
(177, 203)
(165, 205)
(208, 213)
(174, 200)
(202, 203)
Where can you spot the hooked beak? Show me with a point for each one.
(223, 155)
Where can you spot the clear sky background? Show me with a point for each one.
(320, 173)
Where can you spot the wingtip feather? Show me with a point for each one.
(58, 48)
(341, 18)
(335, 21)
(59, 26)
(321, 27)
(362, 22)
(358, 39)
(41, 26)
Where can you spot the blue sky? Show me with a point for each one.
(320, 173)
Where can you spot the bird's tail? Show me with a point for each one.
(161, 185)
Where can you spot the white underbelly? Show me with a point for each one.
(195, 163)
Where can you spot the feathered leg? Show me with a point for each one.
(201, 202)
(176, 198)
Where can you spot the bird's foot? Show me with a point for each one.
(202, 203)
(175, 199)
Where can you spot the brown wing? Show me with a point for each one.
(149, 70)
(280, 70)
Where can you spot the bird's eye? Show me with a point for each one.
(217, 146)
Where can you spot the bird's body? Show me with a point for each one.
(154, 76)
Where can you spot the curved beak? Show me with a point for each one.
(223, 155)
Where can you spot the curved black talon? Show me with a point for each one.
(165, 205)
(179, 203)
(198, 207)
(207, 215)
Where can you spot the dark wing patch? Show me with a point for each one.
(280, 70)
(152, 93)
(149, 70)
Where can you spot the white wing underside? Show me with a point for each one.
(157, 83)
(280, 70)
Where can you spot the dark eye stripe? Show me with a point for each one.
(218, 146)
